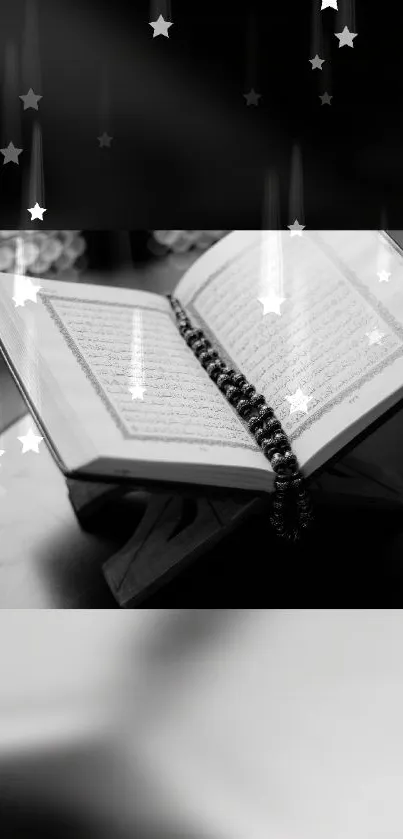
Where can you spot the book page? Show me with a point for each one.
(310, 321)
(150, 382)
(111, 369)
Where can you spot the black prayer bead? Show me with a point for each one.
(232, 393)
(243, 408)
(239, 380)
(283, 493)
(214, 369)
(276, 516)
(293, 472)
(297, 483)
(229, 371)
(293, 535)
(303, 502)
(204, 358)
(223, 380)
(282, 480)
(265, 413)
(289, 472)
(254, 422)
(257, 400)
(281, 440)
(268, 448)
(288, 469)
(260, 435)
(278, 525)
(200, 345)
(278, 462)
(193, 335)
(290, 459)
(272, 426)
(248, 390)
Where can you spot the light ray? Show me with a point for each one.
(160, 7)
(296, 197)
(11, 128)
(137, 387)
(346, 16)
(271, 285)
(31, 64)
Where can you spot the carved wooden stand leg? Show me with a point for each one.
(173, 531)
(87, 498)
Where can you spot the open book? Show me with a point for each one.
(315, 322)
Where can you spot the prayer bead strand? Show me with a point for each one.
(291, 510)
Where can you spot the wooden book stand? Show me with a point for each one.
(167, 530)
(171, 531)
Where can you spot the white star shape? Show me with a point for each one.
(36, 212)
(31, 100)
(11, 154)
(346, 37)
(296, 228)
(30, 442)
(298, 401)
(2, 451)
(161, 27)
(317, 62)
(105, 140)
(329, 4)
(375, 337)
(271, 303)
(326, 99)
(252, 98)
(384, 276)
(26, 290)
(137, 391)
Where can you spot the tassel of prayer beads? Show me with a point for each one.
(291, 510)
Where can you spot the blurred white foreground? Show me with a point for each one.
(215, 724)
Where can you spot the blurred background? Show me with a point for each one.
(201, 724)
(186, 146)
(69, 254)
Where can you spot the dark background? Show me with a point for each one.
(187, 150)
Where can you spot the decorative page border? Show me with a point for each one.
(46, 298)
